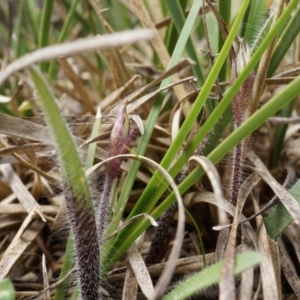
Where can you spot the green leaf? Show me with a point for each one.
(7, 291)
(45, 27)
(279, 218)
(69, 158)
(286, 39)
(212, 275)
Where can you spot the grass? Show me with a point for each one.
(71, 192)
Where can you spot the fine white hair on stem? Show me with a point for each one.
(178, 240)
(75, 47)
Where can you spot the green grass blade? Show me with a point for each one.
(212, 275)
(254, 21)
(77, 196)
(45, 27)
(68, 264)
(71, 164)
(287, 38)
(92, 147)
(262, 33)
(179, 21)
(279, 135)
(225, 13)
(7, 291)
(279, 218)
(63, 35)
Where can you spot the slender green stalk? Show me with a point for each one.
(63, 34)
(225, 13)
(62, 288)
(32, 14)
(179, 21)
(45, 28)
(286, 39)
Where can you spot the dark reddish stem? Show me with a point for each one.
(104, 208)
(82, 221)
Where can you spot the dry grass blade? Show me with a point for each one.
(31, 131)
(215, 181)
(289, 270)
(139, 268)
(263, 68)
(21, 148)
(184, 265)
(130, 285)
(227, 283)
(20, 190)
(136, 104)
(246, 287)
(158, 44)
(12, 209)
(113, 97)
(282, 120)
(18, 246)
(268, 274)
(293, 233)
(78, 85)
(146, 216)
(75, 47)
(113, 57)
(193, 198)
(292, 206)
(45, 279)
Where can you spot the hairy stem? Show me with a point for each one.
(82, 221)
(104, 207)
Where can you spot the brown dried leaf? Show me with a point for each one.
(130, 288)
(288, 269)
(78, 86)
(198, 197)
(141, 12)
(18, 246)
(140, 270)
(20, 190)
(289, 202)
(268, 274)
(75, 47)
(45, 279)
(227, 282)
(183, 266)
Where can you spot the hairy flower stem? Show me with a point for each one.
(82, 221)
(162, 237)
(240, 105)
(236, 176)
(104, 209)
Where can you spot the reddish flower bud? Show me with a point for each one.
(120, 139)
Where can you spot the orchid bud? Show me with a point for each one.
(120, 138)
